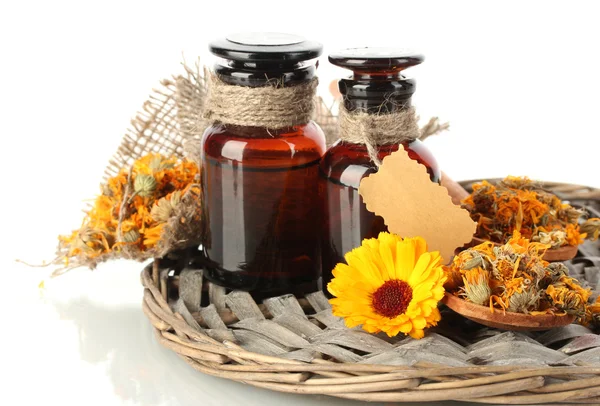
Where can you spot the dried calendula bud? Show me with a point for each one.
(574, 285)
(556, 270)
(567, 300)
(476, 262)
(106, 190)
(477, 286)
(591, 227)
(89, 240)
(131, 236)
(144, 185)
(524, 301)
(159, 163)
(570, 213)
(554, 238)
(593, 313)
(164, 208)
(517, 182)
(569, 296)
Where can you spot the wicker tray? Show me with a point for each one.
(296, 345)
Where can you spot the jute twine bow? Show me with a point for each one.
(272, 106)
(373, 130)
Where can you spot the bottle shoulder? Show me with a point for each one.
(347, 163)
(247, 145)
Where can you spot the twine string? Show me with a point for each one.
(374, 130)
(273, 106)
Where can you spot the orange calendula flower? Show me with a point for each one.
(568, 300)
(591, 228)
(518, 204)
(477, 286)
(134, 208)
(593, 313)
(514, 277)
(389, 284)
(574, 236)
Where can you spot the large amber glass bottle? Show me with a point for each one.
(377, 86)
(263, 207)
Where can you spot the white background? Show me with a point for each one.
(519, 82)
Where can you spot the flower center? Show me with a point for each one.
(392, 298)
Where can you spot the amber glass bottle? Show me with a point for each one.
(263, 207)
(376, 87)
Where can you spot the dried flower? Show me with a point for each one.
(477, 286)
(574, 236)
(144, 185)
(591, 228)
(390, 284)
(132, 219)
(516, 278)
(553, 238)
(593, 313)
(556, 270)
(164, 208)
(567, 300)
(518, 204)
(131, 236)
(524, 301)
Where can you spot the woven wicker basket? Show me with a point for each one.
(296, 345)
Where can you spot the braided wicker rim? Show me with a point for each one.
(422, 382)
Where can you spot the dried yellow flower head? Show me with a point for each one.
(592, 228)
(477, 286)
(554, 238)
(514, 277)
(159, 163)
(130, 217)
(524, 301)
(518, 204)
(565, 299)
(557, 270)
(144, 185)
(164, 208)
(593, 313)
(131, 236)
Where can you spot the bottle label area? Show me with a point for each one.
(262, 224)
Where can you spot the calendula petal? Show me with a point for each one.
(405, 258)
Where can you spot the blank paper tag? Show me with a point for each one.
(412, 205)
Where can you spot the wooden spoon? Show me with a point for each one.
(563, 253)
(505, 320)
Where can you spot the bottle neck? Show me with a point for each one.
(261, 97)
(379, 93)
(258, 74)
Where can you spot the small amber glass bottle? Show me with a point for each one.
(376, 87)
(263, 207)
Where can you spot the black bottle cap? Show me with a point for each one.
(376, 59)
(265, 47)
(377, 84)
